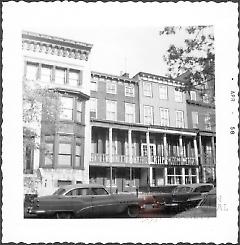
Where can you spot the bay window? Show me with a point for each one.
(65, 151)
(66, 112)
(79, 106)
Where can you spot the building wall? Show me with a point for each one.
(158, 103)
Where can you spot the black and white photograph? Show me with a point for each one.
(120, 117)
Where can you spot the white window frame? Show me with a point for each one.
(94, 84)
(193, 95)
(113, 104)
(178, 96)
(93, 105)
(29, 72)
(163, 92)
(128, 115)
(129, 90)
(64, 78)
(150, 116)
(164, 116)
(195, 119)
(74, 82)
(179, 123)
(147, 89)
(207, 121)
(66, 108)
(111, 87)
(46, 77)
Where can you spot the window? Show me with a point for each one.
(65, 151)
(193, 95)
(129, 90)
(60, 75)
(178, 96)
(93, 84)
(31, 71)
(164, 117)
(74, 78)
(111, 87)
(205, 98)
(179, 119)
(46, 73)
(93, 107)
(48, 150)
(78, 153)
(99, 191)
(111, 110)
(147, 89)
(148, 114)
(67, 108)
(79, 192)
(163, 93)
(207, 121)
(129, 113)
(79, 111)
(195, 119)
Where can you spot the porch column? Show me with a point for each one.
(110, 156)
(195, 150)
(197, 174)
(130, 154)
(181, 149)
(165, 176)
(202, 159)
(165, 149)
(110, 144)
(183, 176)
(213, 150)
(149, 157)
(151, 176)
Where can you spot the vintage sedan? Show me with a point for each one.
(84, 200)
(187, 196)
(206, 207)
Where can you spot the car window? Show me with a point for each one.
(99, 191)
(210, 200)
(184, 189)
(59, 191)
(79, 192)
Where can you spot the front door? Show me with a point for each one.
(152, 151)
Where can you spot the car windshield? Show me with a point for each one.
(183, 189)
(210, 200)
(59, 191)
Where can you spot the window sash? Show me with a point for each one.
(31, 71)
(195, 119)
(129, 112)
(163, 92)
(178, 96)
(60, 76)
(46, 74)
(148, 115)
(179, 119)
(129, 90)
(111, 110)
(193, 95)
(147, 89)
(164, 117)
(73, 78)
(111, 87)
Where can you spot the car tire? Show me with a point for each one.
(64, 215)
(133, 211)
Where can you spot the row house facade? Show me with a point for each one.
(60, 65)
(113, 130)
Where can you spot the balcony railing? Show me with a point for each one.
(159, 160)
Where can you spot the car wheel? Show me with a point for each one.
(133, 211)
(64, 215)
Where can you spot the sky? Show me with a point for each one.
(131, 46)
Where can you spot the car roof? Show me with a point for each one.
(68, 187)
(195, 185)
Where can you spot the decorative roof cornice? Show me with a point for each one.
(55, 46)
(159, 78)
(113, 77)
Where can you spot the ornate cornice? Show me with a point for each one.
(55, 46)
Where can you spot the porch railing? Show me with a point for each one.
(160, 160)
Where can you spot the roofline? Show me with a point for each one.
(107, 75)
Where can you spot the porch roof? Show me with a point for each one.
(143, 128)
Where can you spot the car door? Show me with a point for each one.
(80, 200)
(103, 203)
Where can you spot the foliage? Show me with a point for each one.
(194, 61)
(39, 105)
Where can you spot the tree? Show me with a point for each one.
(194, 60)
(39, 105)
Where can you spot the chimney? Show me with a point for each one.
(124, 74)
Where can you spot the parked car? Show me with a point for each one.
(147, 195)
(206, 208)
(84, 200)
(186, 196)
